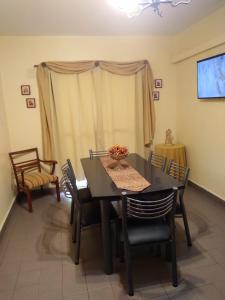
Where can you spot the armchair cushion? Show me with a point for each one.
(37, 179)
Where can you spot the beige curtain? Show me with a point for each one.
(141, 68)
(95, 109)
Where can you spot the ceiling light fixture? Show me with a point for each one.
(135, 7)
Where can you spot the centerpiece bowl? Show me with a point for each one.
(117, 153)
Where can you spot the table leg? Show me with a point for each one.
(106, 237)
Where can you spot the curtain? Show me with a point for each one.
(94, 105)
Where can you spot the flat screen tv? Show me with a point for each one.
(211, 77)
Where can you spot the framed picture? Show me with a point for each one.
(158, 83)
(155, 95)
(25, 89)
(30, 102)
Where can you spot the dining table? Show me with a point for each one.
(103, 189)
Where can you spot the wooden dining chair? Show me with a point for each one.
(148, 222)
(157, 160)
(97, 153)
(31, 172)
(86, 213)
(181, 174)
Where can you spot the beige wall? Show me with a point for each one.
(6, 195)
(19, 54)
(201, 123)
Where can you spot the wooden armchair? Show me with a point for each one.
(32, 172)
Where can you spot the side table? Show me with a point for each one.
(175, 152)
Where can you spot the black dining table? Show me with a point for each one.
(103, 189)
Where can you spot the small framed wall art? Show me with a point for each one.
(155, 95)
(158, 83)
(25, 89)
(30, 103)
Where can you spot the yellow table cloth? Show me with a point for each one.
(175, 152)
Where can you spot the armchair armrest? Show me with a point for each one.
(50, 162)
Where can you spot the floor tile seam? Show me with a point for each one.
(180, 267)
(24, 287)
(171, 295)
(39, 292)
(222, 266)
(4, 251)
(92, 290)
(217, 289)
(189, 270)
(216, 262)
(86, 287)
(113, 291)
(14, 290)
(61, 279)
(32, 284)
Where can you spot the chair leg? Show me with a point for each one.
(57, 190)
(129, 270)
(78, 237)
(121, 252)
(168, 252)
(29, 200)
(158, 250)
(74, 232)
(186, 226)
(174, 263)
(72, 211)
(117, 237)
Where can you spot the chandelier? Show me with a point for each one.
(135, 7)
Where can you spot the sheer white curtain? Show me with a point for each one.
(95, 109)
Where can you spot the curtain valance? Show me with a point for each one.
(119, 68)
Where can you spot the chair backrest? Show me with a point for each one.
(64, 187)
(178, 172)
(69, 181)
(97, 153)
(25, 161)
(72, 188)
(156, 206)
(71, 170)
(157, 160)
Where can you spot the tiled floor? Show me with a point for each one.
(36, 257)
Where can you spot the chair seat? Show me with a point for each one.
(84, 195)
(37, 179)
(142, 232)
(91, 213)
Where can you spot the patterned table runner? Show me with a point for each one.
(125, 177)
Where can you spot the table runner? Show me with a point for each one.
(125, 178)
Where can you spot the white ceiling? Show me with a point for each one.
(96, 17)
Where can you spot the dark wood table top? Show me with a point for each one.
(102, 186)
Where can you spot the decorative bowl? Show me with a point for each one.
(118, 152)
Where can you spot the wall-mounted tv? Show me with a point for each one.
(211, 77)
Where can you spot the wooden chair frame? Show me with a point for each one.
(20, 168)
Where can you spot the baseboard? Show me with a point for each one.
(4, 222)
(204, 190)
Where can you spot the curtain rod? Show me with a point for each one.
(96, 62)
